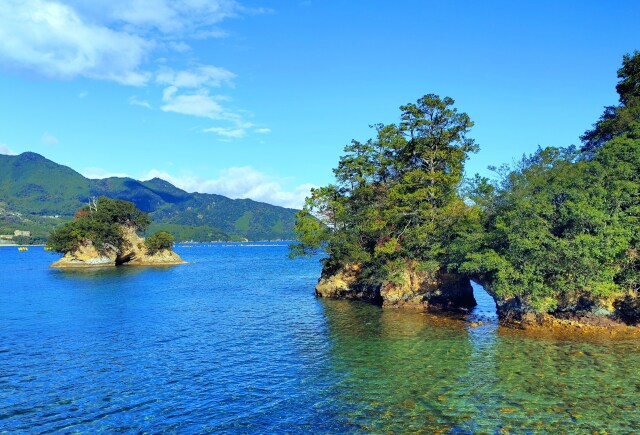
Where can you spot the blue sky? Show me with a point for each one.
(257, 99)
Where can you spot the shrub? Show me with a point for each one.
(159, 241)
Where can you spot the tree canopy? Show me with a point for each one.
(396, 195)
(560, 228)
(623, 118)
(159, 241)
(100, 222)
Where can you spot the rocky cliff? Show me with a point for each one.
(582, 310)
(134, 253)
(443, 291)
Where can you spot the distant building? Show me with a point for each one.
(17, 233)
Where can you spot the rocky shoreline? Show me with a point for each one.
(440, 291)
(87, 256)
(447, 294)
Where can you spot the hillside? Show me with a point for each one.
(35, 188)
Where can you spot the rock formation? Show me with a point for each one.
(442, 291)
(582, 310)
(134, 253)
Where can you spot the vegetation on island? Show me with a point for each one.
(102, 222)
(159, 241)
(397, 197)
(555, 232)
(560, 228)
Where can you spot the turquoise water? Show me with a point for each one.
(235, 342)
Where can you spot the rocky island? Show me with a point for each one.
(106, 233)
(553, 239)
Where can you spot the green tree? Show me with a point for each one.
(621, 119)
(396, 196)
(101, 223)
(560, 231)
(159, 241)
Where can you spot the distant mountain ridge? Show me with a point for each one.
(33, 185)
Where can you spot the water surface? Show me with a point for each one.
(236, 342)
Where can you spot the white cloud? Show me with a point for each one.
(182, 17)
(115, 40)
(49, 139)
(206, 75)
(103, 39)
(99, 173)
(228, 133)
(262, 130)
(197, 99)
(83, 94)
(241, 182)
(6, 150)
(142, 103)
(199, 103)
(50, 38)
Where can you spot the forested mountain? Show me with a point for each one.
(34, 186)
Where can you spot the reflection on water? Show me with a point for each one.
(405, 371)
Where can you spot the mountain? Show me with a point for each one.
(36, 188)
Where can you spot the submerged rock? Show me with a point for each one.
(412, 288)
(134, 254)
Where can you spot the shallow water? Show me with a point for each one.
(236, 342)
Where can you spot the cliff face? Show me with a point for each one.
(134, 254)
(345, 284)
(579, 310)
(87, 256)
(412, 289)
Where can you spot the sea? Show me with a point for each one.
(236, 342)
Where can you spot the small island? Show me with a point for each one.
(553, 238)
(106, 233)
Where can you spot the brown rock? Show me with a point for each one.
(134, 254)
(411, 289)
(87, 256)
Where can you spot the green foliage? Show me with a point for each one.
(396, 196)
(100, 222)
(65, 239)
(560, 230)
(159, 241)
(243, 223)
(39, 190)
(621, 119)
(312, 234)
(115, 211)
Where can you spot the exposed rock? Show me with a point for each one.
(87, 256)
(413, 288)
(134, 254)
(627, 309)
(344, 284)
(582, 311)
